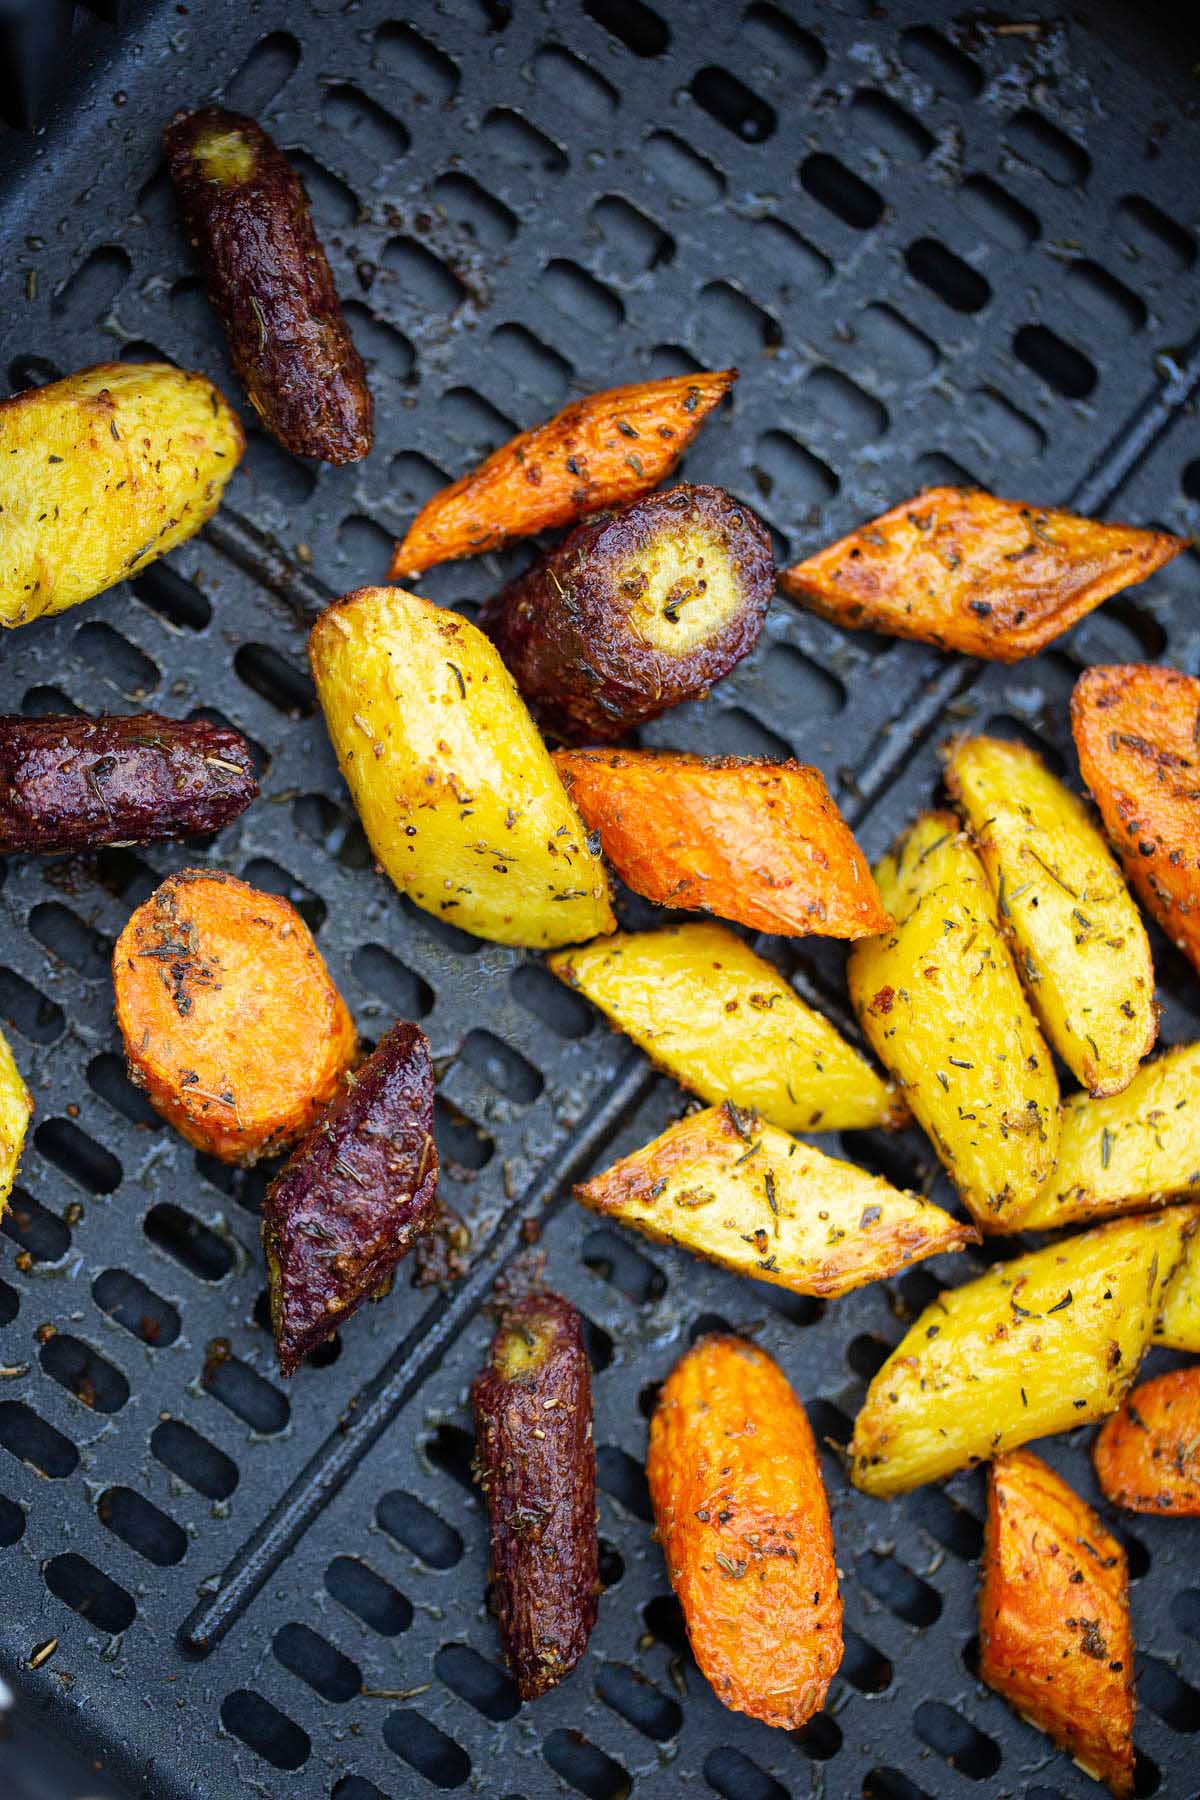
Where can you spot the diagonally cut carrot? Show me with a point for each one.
(602, 450)
(958, 568)
(759, 842)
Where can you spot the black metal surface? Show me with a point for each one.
(521, 203)
(49, 46)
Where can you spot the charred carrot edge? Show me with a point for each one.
(231, 1021)
(1147, 1455)
(600, 451)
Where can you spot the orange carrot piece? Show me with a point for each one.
(1137, 731)
(1055, 1637)
(231, 1021)
(744, 1524)
(759, 842)
(602, 450)
(1147, 1456)
(961, 569)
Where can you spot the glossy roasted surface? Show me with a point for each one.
(1054, 1630)
(73, 783)
(1075, 932)
(1031, 1348)
(634, 612)
(1147, 1455)
(1135, 728)
(245, 209)
(453, 784)
(537, 1466)
(603, 450)
(353, 1197)
(231, 1022)
(940, 1003)
(759, 842)
(726, 1186)
(101, 473)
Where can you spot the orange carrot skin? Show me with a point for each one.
(742, 1517)
(600, 451)
(1135, 730)
(231, 1021)
(961, 569)
(759, 842)
(1055, 1635)
(270, 284)
(1147, 1455)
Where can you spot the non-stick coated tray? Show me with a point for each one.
(939, 247)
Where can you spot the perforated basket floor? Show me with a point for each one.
(935, 250)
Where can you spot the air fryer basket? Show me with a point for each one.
(938, 247)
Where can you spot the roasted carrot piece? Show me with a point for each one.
(16, 1109)
(961, 569)
(725, 1185)
(1076, 934)
(454, 786)
(1055, 1636)
(536, 1462)
(724, 1022)
(231, 1021)
(759, 842)
(1178, 1325)
(69, 783)
(600, 451)
(1125, 1152)
(1033, 1346)
(1137, 731)
(941, 1005)
(744, 1524)
(635, 611)
(247, 216)
(1147, 1456)
(353, 1198)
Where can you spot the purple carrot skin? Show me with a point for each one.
(353, 1198)
(536, 1463)
(246, 212)
(634, 612)
(70, 783)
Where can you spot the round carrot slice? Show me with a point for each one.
(231, 1021)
